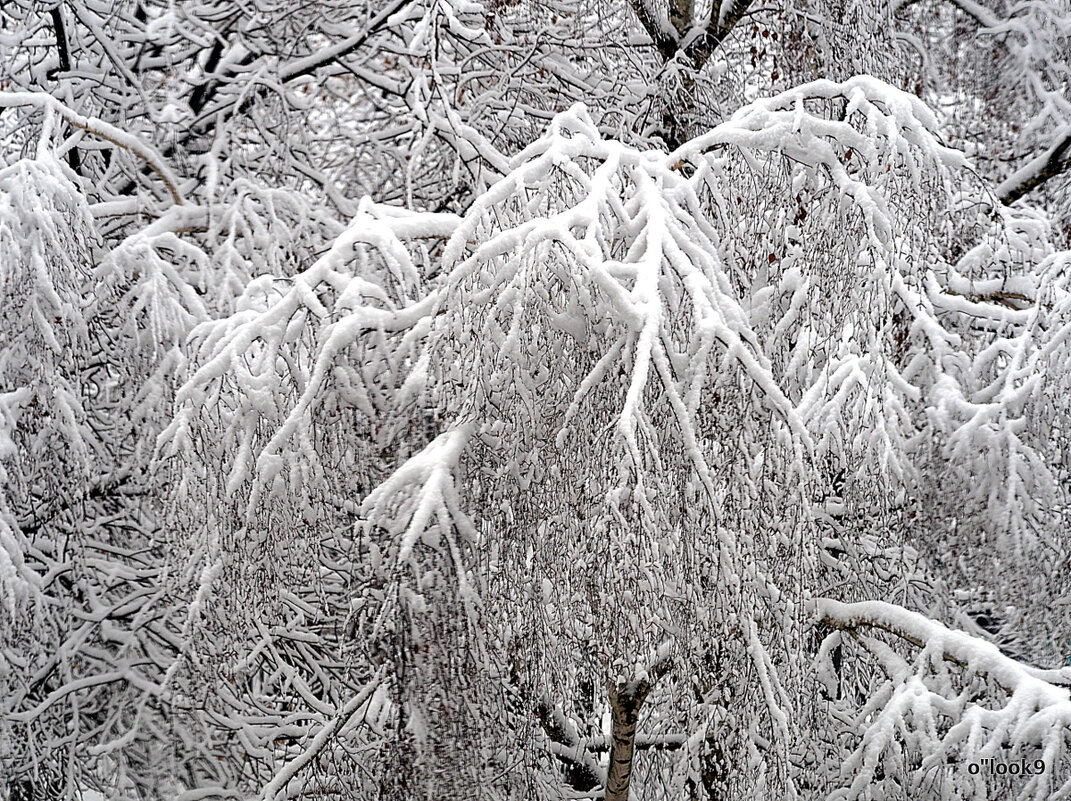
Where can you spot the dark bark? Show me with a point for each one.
(695, 54)
(74, 158)
(666, 45)
(580, 775)
(703, 47)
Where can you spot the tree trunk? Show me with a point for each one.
(625, 711)
(626, 700)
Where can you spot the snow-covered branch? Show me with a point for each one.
(101, 129)
(1053, 162)
(922, 708)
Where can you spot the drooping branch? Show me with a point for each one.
(102, 130)
(1033, 718)
(972, 653)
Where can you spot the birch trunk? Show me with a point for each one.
(625, 711)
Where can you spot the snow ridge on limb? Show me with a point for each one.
(895, 121)
(436, 503)
(924, 722)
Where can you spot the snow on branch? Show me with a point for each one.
(853, 335)
(602, 242)
(420, 605)
(879, 356)
(46, 241)
(276, 788)
(1047, 687)
(435, 502)
(924, 708)
(272, 360)
(101, 129)
(1038, 170)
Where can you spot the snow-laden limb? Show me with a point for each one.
(436, 502)
(287, 355)
(1027, 43)
(1056, 343)
(593, 334)
(277, 787)
(286, 417)
(896, 122)
(1001, 430)
(628, 228)
(927, 722)
(149, 282)
(54, 108)
(46, 238)
(16, 581)
(868, 334)
(844, 319)
(79, 676)
(256, 230)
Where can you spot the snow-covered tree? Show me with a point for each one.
(379, 421)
